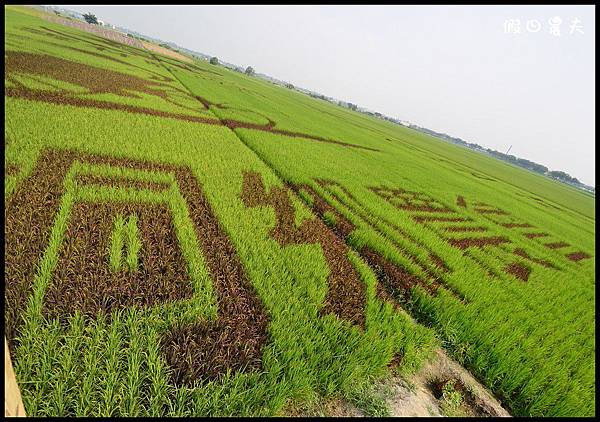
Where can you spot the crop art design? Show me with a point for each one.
(24, 68)
(346, 292)
(85, 278)
(411, 201)
(393, 277)
(117, 254)
(424, 209)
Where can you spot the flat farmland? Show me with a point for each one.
(185, 240)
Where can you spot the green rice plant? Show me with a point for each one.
(111, 384)
(451, 399)
(133, 242)
(93, 358)
(329, 218)
(132, 404)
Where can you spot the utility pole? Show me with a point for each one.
(508, 149)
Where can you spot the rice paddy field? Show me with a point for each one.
(181, 239)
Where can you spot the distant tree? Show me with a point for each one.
(249, 71)
(90, 18)
(561, 175)
(352, 106)
(289, 85)
(214, 60)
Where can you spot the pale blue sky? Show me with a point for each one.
(449, 68)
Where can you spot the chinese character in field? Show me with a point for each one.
(512, 26)
(576, 26)
(555, 25)
(533, 25)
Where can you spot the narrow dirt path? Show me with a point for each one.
(421, 394)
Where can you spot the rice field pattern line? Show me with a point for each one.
(424, 209)
(346, 296)
(97, 80)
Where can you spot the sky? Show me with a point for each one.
(462, 70)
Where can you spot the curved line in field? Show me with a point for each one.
(60, 99)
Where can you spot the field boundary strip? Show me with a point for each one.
(96, 30)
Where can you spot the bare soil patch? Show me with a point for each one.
(422, 395)
(96, 29)
(165, 51)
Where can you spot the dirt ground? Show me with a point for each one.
(166, 51)
(420, 394)
(417, 396)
